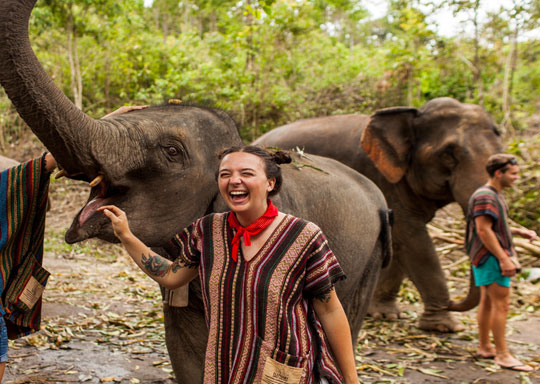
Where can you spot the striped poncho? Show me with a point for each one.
(23, 204)
(262, 326)
(486, 201)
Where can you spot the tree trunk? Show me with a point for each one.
(78, 75)
(509, 70)
(76, 81)
(477, 72)
(156, 16)
(165, 26)
(409, 84)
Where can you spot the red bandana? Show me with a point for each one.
(252, 229)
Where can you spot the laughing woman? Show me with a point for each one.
(267, 279)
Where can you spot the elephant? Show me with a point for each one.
(422, 159)
(158, 165)
(6, 162)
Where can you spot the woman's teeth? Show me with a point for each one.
(238, 194)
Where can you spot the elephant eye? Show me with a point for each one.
(173, 151)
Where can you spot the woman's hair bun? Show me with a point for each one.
(281, 157)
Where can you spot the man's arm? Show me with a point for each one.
(125, 109)
(523, 232)
(489, 239)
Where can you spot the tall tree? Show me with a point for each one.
(408, 41)
(521, 16)
(472, 10)
(73, 16)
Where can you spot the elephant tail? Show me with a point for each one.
(469, 302)
(385, 236)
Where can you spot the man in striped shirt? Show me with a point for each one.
(489, 245)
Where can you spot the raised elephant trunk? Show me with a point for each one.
(469, 302)
(55, 120)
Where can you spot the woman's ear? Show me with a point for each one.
(271, 184)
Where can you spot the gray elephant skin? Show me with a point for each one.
(422, 159)
(6, 162)
(158, 165)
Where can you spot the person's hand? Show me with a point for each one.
(118, 219)
(50, 163)
(529, 234)
(507, 267)
(125, 109)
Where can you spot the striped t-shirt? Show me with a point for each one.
(486, 201)
(260, 310)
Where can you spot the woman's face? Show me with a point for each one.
(243, 183)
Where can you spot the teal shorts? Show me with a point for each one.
(489, 273)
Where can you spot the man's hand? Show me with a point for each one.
(50, 163)
(507, 267)
(529, 234)
(125, 109)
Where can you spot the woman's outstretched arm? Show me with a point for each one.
(170, 274)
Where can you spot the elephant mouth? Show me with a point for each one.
(90, 223)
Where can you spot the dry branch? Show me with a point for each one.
(456, 236)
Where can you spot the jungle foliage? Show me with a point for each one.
(269, 62)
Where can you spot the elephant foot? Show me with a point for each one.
(440, 321)
(384, 310)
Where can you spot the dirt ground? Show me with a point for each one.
(102, 321)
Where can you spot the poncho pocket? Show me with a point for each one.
(26, 287)
(278, 367)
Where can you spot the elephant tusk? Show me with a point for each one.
(96, 181)
(60, 174)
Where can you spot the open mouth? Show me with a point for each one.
(238, 196)
(100, 195)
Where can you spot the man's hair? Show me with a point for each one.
(499, 161)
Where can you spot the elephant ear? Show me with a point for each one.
(388, 140)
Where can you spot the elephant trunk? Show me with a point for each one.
(469, 302)
(55, 120)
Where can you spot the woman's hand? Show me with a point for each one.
(118, 219)
(168, 274)
(125, 109)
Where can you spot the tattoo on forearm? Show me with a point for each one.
(176, 266)
(155, 265)
(325, 297)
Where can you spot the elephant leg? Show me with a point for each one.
(383, 304)
(421, 263)
(186, 336)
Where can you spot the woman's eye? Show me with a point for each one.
(173, 151)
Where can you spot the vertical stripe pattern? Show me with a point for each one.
(23, 205)
(262, 307)
(486, 201)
